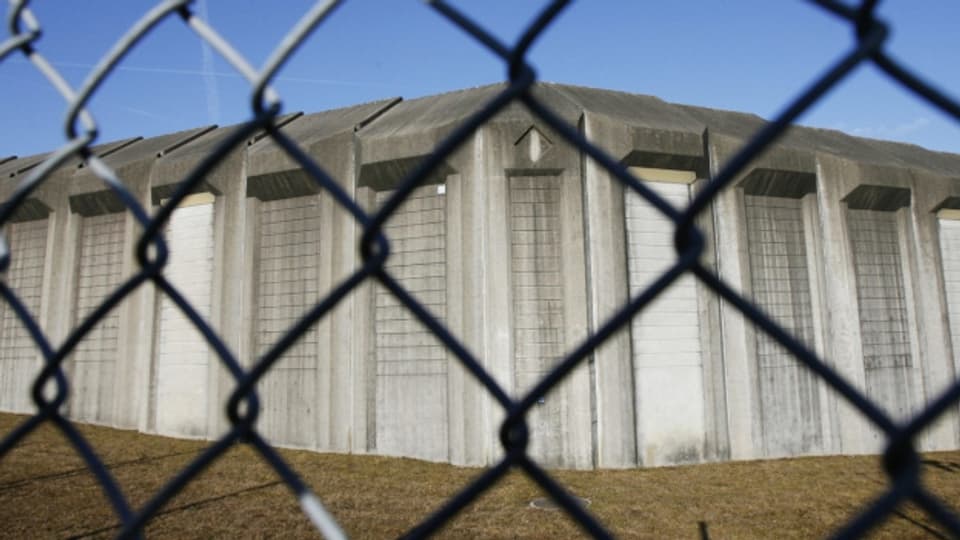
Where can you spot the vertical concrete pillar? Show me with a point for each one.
(578, 451)
(136, 339)
(929, 293)
(716, 432)
(841, 319)
(498, 346)
(465, 308)
(476, 442)
(604, 218)
(457, 414)
(816, 271)
(60, 272)
(365, 376)
(343, 365)
(733, 267)
(230, 312)
(350, 319)
(331, 377)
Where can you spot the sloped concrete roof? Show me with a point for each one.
(418, 115)
(313, 129)
(439, 114)
(634, 109)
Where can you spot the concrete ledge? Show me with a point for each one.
(384, 175)
(30, 210)
(96, 203)
(662, 160)
(779, 183)
(882, 198)
(283, 185)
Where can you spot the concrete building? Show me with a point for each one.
(522, 246)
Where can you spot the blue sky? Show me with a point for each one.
(751, 55)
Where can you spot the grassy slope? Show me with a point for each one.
(45, 491)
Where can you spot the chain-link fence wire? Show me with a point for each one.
(51, 386)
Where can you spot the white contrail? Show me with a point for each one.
(209, 79)
(141, 112)
(224, 74)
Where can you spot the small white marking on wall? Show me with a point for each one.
(672, 176)
(441, 189)
(193, 199)
(535, 150)
(321, 519)
(949, 213)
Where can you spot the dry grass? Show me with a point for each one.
(46, 492)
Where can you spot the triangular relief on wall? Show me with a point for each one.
(535, 143)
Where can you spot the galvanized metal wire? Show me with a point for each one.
(900, 459)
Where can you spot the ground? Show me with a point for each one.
(46, 492)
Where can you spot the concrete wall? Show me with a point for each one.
(287, 259)
(790, 409)
(521, 246)
(950, 249)
(407, 355)
(881, 298)
(94, 363)
(182, 355)
(540, 270)
(18, 356)
(667, 351)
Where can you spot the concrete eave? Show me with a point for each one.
(416, 127)
(59, 182)
(9, 168)
(655, 133)
(173, 166)
(634, 110)
(132, 162)
(390, 136)
(311, 133)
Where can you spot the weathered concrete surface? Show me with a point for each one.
(18, 353)
(183, 357)
(667, 353)
(522, 246)
(407, 354)
(789, 399)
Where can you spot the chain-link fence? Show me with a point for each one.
(900, 460)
